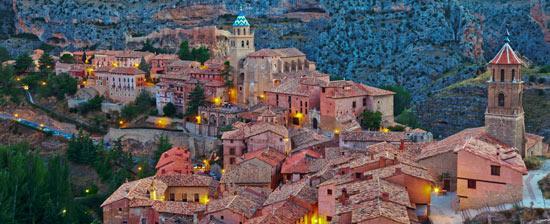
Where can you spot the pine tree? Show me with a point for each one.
(371, 120)
(144, 66)
(226, 73)
(196, 99)
(184, 52)
(169, 110)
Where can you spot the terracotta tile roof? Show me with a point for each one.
(300, 189)
(290, 85)
(165, 57)
(290, 52)
(373, 136)
(506, 56)
(126, 71)
(366, 190)
(237, 203)
(271, 156)
(173, 155)
(135, 189)
(303, 138)
(345, 89)
(188, 180)
(241, 173)
(301, 162)
(380, 208)
(178, 207)
(265, 53)
(286, 212)
(408, 169)
(185, 64)
(141, 202)
(479, 142)
(255, 128)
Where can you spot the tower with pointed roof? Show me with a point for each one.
(504, 117)
(241, 41)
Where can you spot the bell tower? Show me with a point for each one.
(504, 117)
(241, 41)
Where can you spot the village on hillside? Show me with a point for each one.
(262, 136)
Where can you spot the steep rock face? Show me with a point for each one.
(7, 23)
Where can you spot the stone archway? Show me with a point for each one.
(314, 123)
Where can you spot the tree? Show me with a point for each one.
(226, 73)
(408, 118)
(402, 98)
(67, 58)
(4, 54)
(93, 104)
(144, 66)
(163, 146)
(59, 86)
(201, 54)
(23, 63)
(184, 52)
(46, 63)
(82, 150)
(84, 58)
(196, 99)
(371, 120)
(169, 110)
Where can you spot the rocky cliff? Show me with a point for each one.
(424, 45)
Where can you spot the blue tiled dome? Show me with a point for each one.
(241, 21)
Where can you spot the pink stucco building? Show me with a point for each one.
(177, 160)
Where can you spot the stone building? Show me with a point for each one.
(215, 117)
(159, 63)
(121, 84)
(299, 93)
(170, 88)
(160, 199)
(504, 117)
(341, 98)
(241, 42)
(264, 69)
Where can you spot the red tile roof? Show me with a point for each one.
(479, 142)
(255, 128)
(178, 207)
(300, 190)
(237, 203)
(506, 56)
(300, 162)
(373, 136)
(126, 71)
(287, 212)
(176, 158)
(248, 172)
(271, 156)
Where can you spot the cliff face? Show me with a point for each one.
(424, 45)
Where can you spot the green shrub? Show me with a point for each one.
(532, 163)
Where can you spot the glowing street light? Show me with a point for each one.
(18, 78)
(42, 125)
(16, 115)
(25, 87)
(139, 168)
(43, 83)
(217, 101)
(336, 131)
(198, 118)
(87, 190)
(437, 190)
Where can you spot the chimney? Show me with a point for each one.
(402, 145)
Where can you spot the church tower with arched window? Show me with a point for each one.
(504, 117)
(241, 41)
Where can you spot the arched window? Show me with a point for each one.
(502, 75)
(501, 99)
(242, 43)
(247, 43)
(493, 75)
(513, 75)
(244, 31)
(238, 31)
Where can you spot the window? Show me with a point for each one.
(221, 217)
(242, 43)
(323, 89)
(364, 101)
(172, 197)
(329, 218)
(501, 99)
(495, 170)
(232, 151)
(231, 160)
(472, 184)
(196, 197)
(493, 75)
(329, 191)
(143, 221)
(353, 105)
(513, 75)
(502, 75)
(358, 175)
(184, 197)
